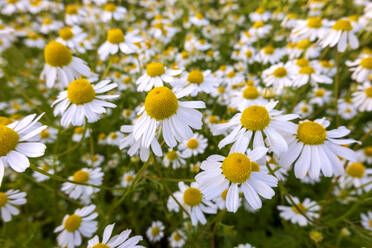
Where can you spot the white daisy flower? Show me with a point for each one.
(83, 101)
(320, 96)
(311, 29)
(346, 109)
(156, 231)
(8, 200)
(111, 11)
(193, 146)
(194, 203)
(269, 54)
(93, 160)
(120, 240)
(303, 109)
(177, 239)
(17, 143)
(260, 29)
(341, 33)
(292, 214)
(367, 220)
(155, 76)
(114, 138)
(117, 41)
(199, 20)
(174, 158)
(239, 173)
(362, 99)
(254, 122)
(163, 112)
(61, 65)
(82, 192)
(74, 14)
(278, 76)
(361, 68)
(309, 74)
(356, 175)
(195, 82)
(71, 36)
(366, 154)
(79, 132)
(81, 223)
(247, 96)
(313, 149)
(128, 178)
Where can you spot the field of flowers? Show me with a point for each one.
(177, 123)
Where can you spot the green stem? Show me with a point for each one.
(75, 146)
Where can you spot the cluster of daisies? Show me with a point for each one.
(172, 120)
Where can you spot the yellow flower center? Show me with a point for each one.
(199, 16)
(255, 118)
(47, 21)
(307, 70)
(299, 206)
(342, 25)
(368, 92)
(302, 62)
(221, 90)
(237, 168)
(72, 223)
(35, 3)
(66, 33)
(114, 136)
(192, 143)
(78, 130)
(115, 36)
(356, 169)
(213, 119)
(319, 93)
(280, 72)
(366, 63)
(110, 7)
(370, 223)
(258, 24)
(269, 50)
(8, 140)
(305, 109)
(248, 53)
(177, 237)
(251, 93)
(255, 166)
(45, 134)
(326, 64)
(155, 69)
(129, 178)
(155, 231)
(224, 194)
(314, 22)
(161, 103)
(303, 44)
(192, 196)
(368, 151)
(12, 1)
(101, 245)
(81, 176)
(3, 199)
(195, 77)
(80, 91)
(71, 9)
(311, 133)
(56, 54)
(5, 121)
(231, 74)
(184, 54)
(172, 155)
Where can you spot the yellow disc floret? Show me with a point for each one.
(66, 33)
(366, 63)
(8, 140)
(161, 103)
(299, 206)
(100, 245)
(192, 143)
(155, 69)
(155, 231)
(308, 70)
(251, 93)
(237, 168)
(56, 54)
(192, 196)
(280, 72)
(342, 25)
(195, 77)
(356, 170)
(3, 199)
(80, 91)
(314, 22)
(255, 118)
(258, 24)
(81, 176)
(302, 62)
(311, 133)
(368, 92)
(72, 223)
(110, 7)
(115, 36)
(172, 155)
(5, 121)
(368, 151)
(269, 50)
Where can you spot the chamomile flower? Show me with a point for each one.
(303, 109)
(82, 192)
(177, 239)
(117, 41)
(155, 76)
(120, 240)
(292, 213)
(269, 54)
(93, 160)
(194, 202)
(309, 74)
(312, 149)
(128, 178)
(48, 135)
(366, 154)
(278, 76)
(74, 226)
(252, 123)
(237, 172)
(114, 138)
(174, 158)
(341, 33)
(260, 29)
(164, 113)
(346, 109)
(362, 98)
(361, 68)
(156, 231)
(356, 175)
(193, 146)
(111, 11)
(71, 36)
(311, 29)
(83, 101)
(74, 14)
(61, 66)
(17, 143)
(7, 201)
(367, 220)
(320, 96)
(196, 81)
(199, 20)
